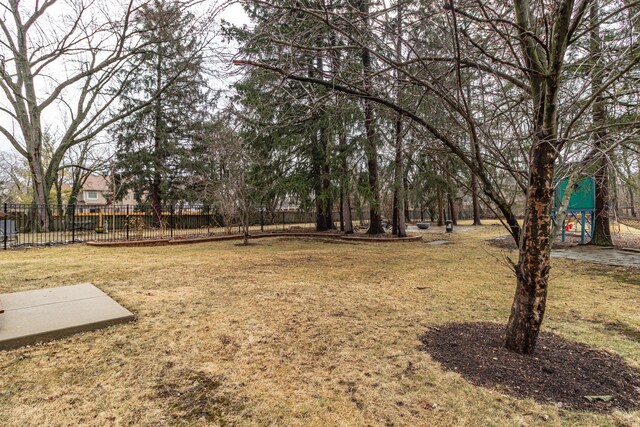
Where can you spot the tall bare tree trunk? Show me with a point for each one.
(532, 270)
(398, 221)
(324, 203)
(405, 187)
(40, 188)
(475, 150)
(441, 214)
(371, 150)
(28, 116)
(245, 223)
(346, 222)
(326, 182)
(345, 193)
(453, 211)
(534, 263)
(475, 200)
(601, 224)
(321, 168)
(601, 235)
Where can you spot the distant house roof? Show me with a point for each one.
(96, 183)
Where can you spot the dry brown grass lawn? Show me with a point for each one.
(294, 332)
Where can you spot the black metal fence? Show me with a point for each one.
(30, 225)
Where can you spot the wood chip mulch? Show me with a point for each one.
(560, 372)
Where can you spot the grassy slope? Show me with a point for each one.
(295, 333)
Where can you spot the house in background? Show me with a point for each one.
(289, 204)
(97, 192)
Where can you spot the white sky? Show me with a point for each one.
(233, 13)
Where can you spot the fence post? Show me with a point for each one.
(171, 219)
(127, 223)
(262, 220)
(208, 219)
(6, 220)
(282, 220)
(73, 223)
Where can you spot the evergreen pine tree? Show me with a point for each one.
(153, 143)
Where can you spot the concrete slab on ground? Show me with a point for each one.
(606, 256)
(47, 314)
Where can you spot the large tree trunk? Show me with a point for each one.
(601, 235)
(59, 207)
(601, 226)
(327, 198)
(375, 216)
(405, 187)
(28, 116)
(346, 213)
(532, 270)
(475, 200)
(321, 168)
(245, 223)
(40, 189)
(156, 202)
(346, 223)
(398, 225)
(345, 192)
(328, 205)
(323, 202)
(441, 213)
(398, 220)
(475, 151)
(324, 216)
(453, 211)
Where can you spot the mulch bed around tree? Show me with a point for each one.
(503, 242)
(560, 372)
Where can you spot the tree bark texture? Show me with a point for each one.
(371, 149)
(532, 270)
(601, 235)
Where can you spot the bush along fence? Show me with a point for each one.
(25, 225)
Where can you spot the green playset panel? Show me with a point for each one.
(583, 197)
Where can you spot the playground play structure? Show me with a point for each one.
(580, 209)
